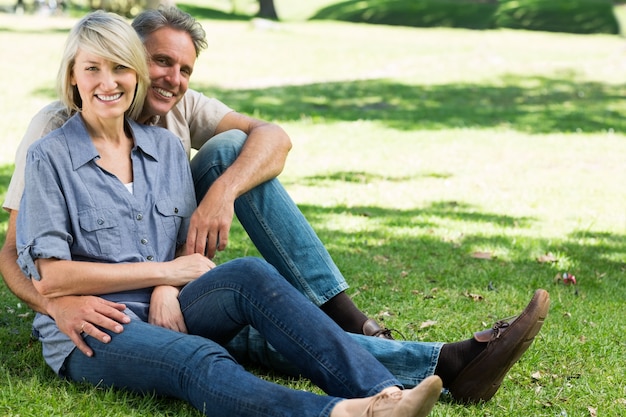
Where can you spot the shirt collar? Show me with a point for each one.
(143, 140)
(82, 149)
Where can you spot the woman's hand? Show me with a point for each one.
(165, 309)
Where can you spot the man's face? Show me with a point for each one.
(171, 57)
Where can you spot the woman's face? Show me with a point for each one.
(106, 88)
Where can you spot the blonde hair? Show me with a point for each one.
(110, 37)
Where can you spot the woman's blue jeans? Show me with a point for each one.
(273, 222)
(196, 368)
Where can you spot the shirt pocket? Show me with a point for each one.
(172, 215)
(100, 232)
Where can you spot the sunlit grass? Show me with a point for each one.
(437, 165)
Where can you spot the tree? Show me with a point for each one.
(267, 9)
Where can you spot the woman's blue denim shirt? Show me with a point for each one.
(72, 209)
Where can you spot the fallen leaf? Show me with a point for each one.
(536, 376)
(381, 258)
(593, 412)
(547, 258)
(482, 255)
(475, 297)
(428, 323)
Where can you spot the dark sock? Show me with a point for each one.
(345, 313)
(456, 356)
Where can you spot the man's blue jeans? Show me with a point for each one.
(286, 240)
(196, 368)
(409, 362)
(273, 222)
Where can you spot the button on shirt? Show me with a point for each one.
(72, 209)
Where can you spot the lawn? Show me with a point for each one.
(450, 173)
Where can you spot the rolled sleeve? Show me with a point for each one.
(26, 262)
(42, 248)
(41, 221)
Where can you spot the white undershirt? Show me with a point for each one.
(129, 187)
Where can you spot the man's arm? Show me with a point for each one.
(262, 158)
(72, 314)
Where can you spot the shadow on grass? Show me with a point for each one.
(527, 104)
(415, 242)
(535, 105)
(360, 177)
(449, 210)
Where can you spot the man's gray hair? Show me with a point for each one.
(151, 20)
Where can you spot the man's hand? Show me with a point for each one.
(187, 268)
(84, 314)
(165, 309)
(209, 226)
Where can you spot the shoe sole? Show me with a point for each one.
(542, 305)
(419, 401)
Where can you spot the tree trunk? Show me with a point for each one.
(267, 9)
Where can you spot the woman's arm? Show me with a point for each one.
(63, 277)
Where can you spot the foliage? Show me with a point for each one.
(419, 13)
(575, 16)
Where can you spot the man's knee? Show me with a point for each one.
(215, 156)
(224, 147)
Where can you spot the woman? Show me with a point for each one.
(101, 215)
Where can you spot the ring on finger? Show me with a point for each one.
(82, 327)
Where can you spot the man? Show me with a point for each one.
(235, 172)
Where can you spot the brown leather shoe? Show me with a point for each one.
(371, 328)
(482, 377)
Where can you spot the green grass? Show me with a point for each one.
(414, 149)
